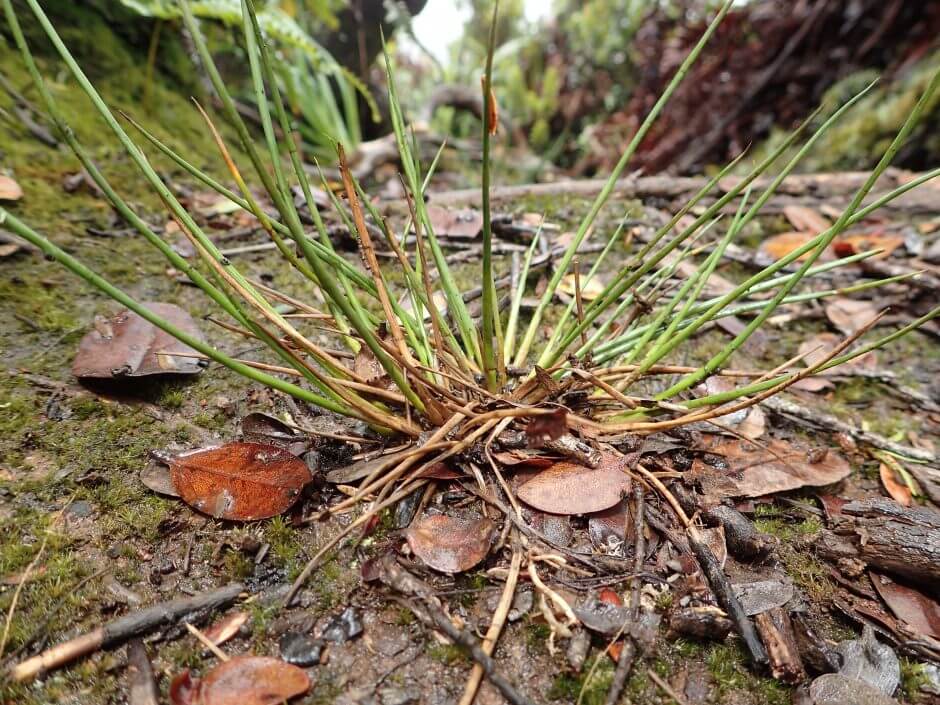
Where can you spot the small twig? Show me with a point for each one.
(495, 628)
(666, 688)
(629, 651)
(207, 642)
(120, 630)
(399, 579)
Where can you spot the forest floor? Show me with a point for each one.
(93, 542)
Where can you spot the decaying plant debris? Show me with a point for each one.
(531, 429)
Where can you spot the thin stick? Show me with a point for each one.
(576, 265)
(207, 642)
(399, 579)
(666, 688)
(496, 627)
(123, 628)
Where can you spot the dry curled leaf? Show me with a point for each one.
(590, 289)
(779, 246)
(920, 612)
(894, 486)
(129, 346)
(226, 628)
(450, 544)
(572, 488)
(854, 243)
(239, 481)
(242, 680)
(464, 224)
(752, 471)
(9, 189)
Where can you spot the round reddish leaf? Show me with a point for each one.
(252, 680)
(571, 488)
(450, 544)
(240, 481)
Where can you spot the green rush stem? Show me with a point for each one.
(626, 342)
(604, 195)
(455, 303)
(49, 249)
(516, 304)
(490, 313)
(333, 259)
(717, 360)
(758, 387)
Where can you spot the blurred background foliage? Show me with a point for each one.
(571, 85)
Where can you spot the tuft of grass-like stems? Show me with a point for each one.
(451, 373)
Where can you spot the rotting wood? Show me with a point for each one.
(123, 628)
(887, 536)
(776, 632)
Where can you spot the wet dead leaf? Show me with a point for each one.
(450, 544)
(367, 366)
(754, 424)
(226, 628)
(806, 219)
(259, 427)
(547, 427)
(895, 486)
(571, 488)
(850, 315)
(239, 481)
(129, 346)
(523, 458)
(9, 189)
(465, 223)
(754, 472)
(920, 612)
(242, 680)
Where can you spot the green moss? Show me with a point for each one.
(448, 654)
(237, 565)
(730, 672)
(568, 687)
(536, 635)
(913, 677)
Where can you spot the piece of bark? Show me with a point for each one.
(776, 632)
(815, 653)
(705, 623)
(742, 537)
(888, 537)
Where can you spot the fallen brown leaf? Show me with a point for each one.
(895, 487)
(239, 481)
(920, 612)
(850, 315)
(129, 346)
(242, 680)
(547, 427)
(450, 544)
(754, 472)
(806, 219)
(9, 189)
(571, 488)
(465, 223)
